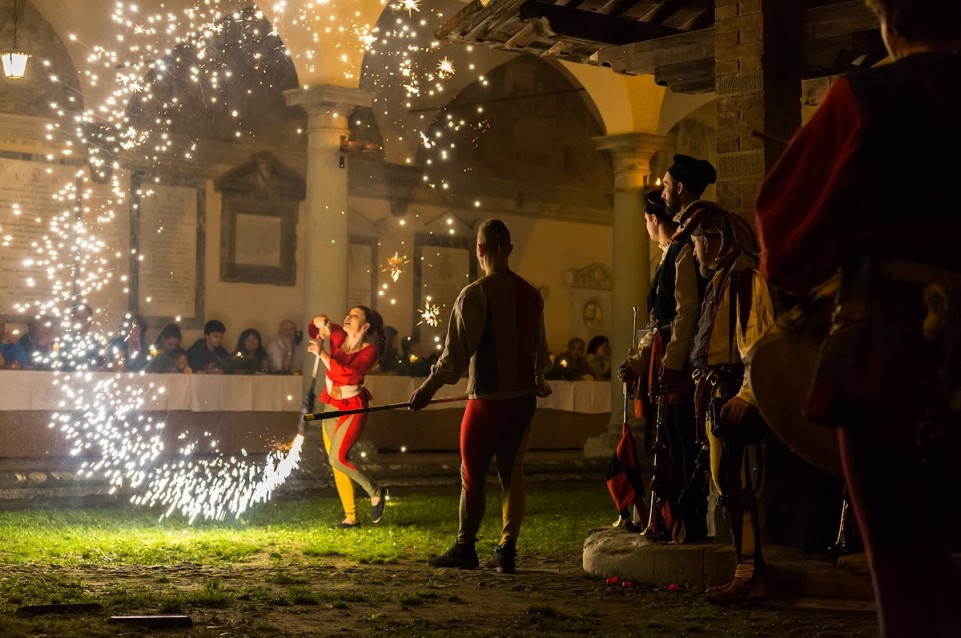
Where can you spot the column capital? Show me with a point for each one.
(640, 145)
(324, 98)
(631, 154)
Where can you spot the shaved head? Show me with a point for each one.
(494, 236)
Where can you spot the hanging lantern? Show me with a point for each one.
(14, 62)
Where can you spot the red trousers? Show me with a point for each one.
(493, 429)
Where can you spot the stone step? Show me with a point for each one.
(631, 556)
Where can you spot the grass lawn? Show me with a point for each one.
(283, 533)
(285, 571)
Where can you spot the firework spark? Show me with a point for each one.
(445, 69)
(408, 5)
(430, 315)
(395, 266)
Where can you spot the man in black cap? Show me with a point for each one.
(673, 304)
(684, 183)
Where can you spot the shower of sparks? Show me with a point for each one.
(395, 266)
(430, 315)
(71, 261)
(105, 417)
(200, 483)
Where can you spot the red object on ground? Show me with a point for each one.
(612, 580)
(673, 587)
(626, 583)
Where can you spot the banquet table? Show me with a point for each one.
(252, 413)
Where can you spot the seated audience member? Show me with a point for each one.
(413, 362)
(165, 349)
(599, 356)
(392, 359)
(250, 357)
(12, 354)
(37, 342)
(180, 361)
(82, 347)
(129, 350)
(284, 354)
(207, 355)
(571, 365)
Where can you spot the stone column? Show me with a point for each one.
(757, 90)
(324, 271)
(631, 154)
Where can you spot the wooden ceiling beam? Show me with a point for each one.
(591, 25)
(823, 32)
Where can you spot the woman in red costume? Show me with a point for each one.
(354, 349)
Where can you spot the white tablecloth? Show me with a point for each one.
(32, 390)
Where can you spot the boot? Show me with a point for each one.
(740, 590)
(504, 560)
(461, 555)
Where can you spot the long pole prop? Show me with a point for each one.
(320, 416)
(309, 399)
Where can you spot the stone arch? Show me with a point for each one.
(526, 122)
(231, 102)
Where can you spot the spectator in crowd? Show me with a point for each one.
(413, 362)
(599, 356)
(284, 354)
(37, 341)
(12, 354)
(392, 358)
(207, 355)
(82, 347)
(250, 357)
(129, 350)
(571, 365)
(164, 357)
(179, 356)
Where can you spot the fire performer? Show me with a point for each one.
(736, 311)
(869, 187)
(497, 331)
(354, 349)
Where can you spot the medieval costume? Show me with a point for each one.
(736, 311)
(870, 187)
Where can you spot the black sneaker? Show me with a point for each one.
(377, 511)
(460, 555)
(504, 560)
